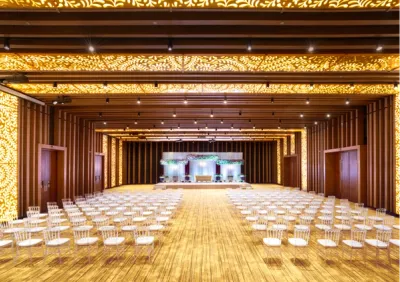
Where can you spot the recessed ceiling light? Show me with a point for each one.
(225, 100)
(185, 101)
(135, 121)
(162, 122)
(6, 44)
(212, 114)
(222, 121)
(301, 115)
(55, 84)
(311, 48)
(315, 122)
(379, 48)
(138, 100)
(347, 101)
(311, 86)
(396, 86)
(105, 123)
(170, 46)
(195, 121)
(352, 86)
(55, 102)
(91, 48)
(174, 114)
(308, 101)
(249, 47)
(107, 100)
(105, 84)
(328, 115)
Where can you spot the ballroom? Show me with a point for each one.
(199, 140)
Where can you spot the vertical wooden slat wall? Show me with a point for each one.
(142, 159)
(77, 135)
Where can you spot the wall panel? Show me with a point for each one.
(142, 159)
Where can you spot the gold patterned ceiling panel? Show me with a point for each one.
(198, 63)
(197, 4)
(131, 89)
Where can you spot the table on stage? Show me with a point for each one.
(203, 178)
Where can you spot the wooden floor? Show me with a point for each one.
(207, 242)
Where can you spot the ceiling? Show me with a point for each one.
(261, 69)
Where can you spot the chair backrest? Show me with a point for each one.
(281, 220)
(28, 222)
(359, 236)
(384, 236)
(331, 198)
(76, 220)
(79, 234)
(102, 223)
(305, 221)
(31, 213)
(358, 206)
(109, 232)
(344, 202)
(22, 235)
(326, 221)
(6, 224)
(381, 212)
(388, 220)
(141, 232)
(302, 234)
(262, 220)
(51, 235)
(274, 233)
(333, 235)
(34, 209)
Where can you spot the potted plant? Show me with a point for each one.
(187, 178)
(242, 177)
(162, 178)
(218, 177)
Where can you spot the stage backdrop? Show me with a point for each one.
(142, 159)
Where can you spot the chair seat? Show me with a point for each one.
(113, 241)
(35, 229)
(156, 227)
(395, 242)
(245, 212)
(99, 219)
(251, 218)
(272, 242)
(106, 228)
(37, 221)
(139, 219)
(128, 228)
(298, 242)
(18, 221)
(83, 228)
(375, 218)
(259, 227)
(58, 220)
(352, 244)
(342, 217)
(5, 243)
(147, 213)
(162, 218)
(358, 217)
(325, 217)
(13, 230)
(145, 240)
(301, 227)
(396, 227)
(129, 213)
(262, 212)
(279, 226)
(29, 242)
(58, 228)
(343, 227)
(270, 218)
(57, 242)
(39, 215)
(120, 219)
(165, 213)
(289, 217)
(327, 243)
(376, 243)
(86, 241)
(323, 227)
(382, 227)
(363, 227)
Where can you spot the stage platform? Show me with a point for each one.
(202, 185)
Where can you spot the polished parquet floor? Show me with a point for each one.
(207, 242)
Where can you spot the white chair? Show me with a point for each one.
(379, 215)
(111, 239)
(366, 224)
(381, 242)
(260, 226)
(304, 223)
(31, 225)
(300, 241)
(82, 239)
(356, 243)
(24, 240)
(143, 239)
(330, 241)
(386, 224)
(5, 243)
(54, 242)
(273, 242)
(35, 211)
(324, 223)
(281, 224)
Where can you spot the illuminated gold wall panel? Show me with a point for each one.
(199, 63)
(292, 144)
(197, 4)
(397, 151)
(304, 159)
(285, 146)
(129, 89)
(113, 163)
(105, 152)
(8, 156)
(278, 161)
(120, 162)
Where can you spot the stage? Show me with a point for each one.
(202, 185)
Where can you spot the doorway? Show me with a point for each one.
(290, 169)
(98, 172)
(52, 171)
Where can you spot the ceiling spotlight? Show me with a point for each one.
(267, 84)
(308, 101)
(222, 121)
(185, 101)
(315, 122)
(55, 84)
(301, 115)
(100, 114)
(105, 123)
(328, 115)
(138, 114)
(311, 48)
(170, 46)
(212, 114)
(91, 48)
(206, 126)
(162, 122)
(249, 120)
(107, 100)
(174, 114)
(379, 48)
(272, 100)
(179, 126)
(311, 86)
(127, 127)
(232, 126)
(347, 101)
(55, 102)
(195, 121)
(240, 113)
(396, 86)
(156, 84)
(273, 113)
(7, 46)
(225, 100)
(105, 84)
(138, 100)
(305, 127)
(254, 127)
(352, 86)
(135, 122)
(279, 127)
(249, 47)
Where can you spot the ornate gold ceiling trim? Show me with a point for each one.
(198, 63)
(196, 4)
(137, 89)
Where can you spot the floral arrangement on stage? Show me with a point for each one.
(173, 162)
(202, 157)
(230, 162)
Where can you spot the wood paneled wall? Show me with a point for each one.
(142, 159)
(41, 125)
(372, 126)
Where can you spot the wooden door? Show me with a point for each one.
(344, 176)
(98, 173)
(353, 176)
(48, 185)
